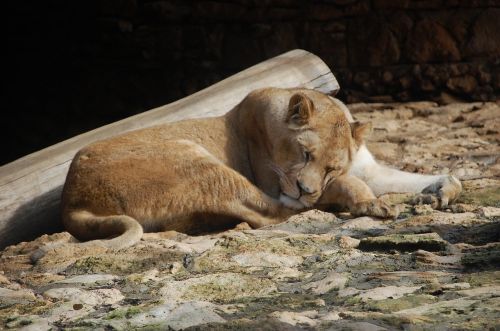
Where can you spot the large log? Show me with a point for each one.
(30, 187)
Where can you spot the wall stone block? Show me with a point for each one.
(485, 35)
(430, 42)
(463, 84)
(372, 43)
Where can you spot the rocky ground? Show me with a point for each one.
(426, 270)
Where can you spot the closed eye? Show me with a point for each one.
(328, 179)
(330, 169)
(307, 156)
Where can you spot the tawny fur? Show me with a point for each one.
(279, 150)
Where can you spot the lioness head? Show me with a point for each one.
(314, 145)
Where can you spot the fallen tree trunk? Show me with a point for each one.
(30, 187)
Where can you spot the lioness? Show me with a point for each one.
(278, 151)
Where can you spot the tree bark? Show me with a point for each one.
(30, 187)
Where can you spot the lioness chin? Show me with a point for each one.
(278, 151)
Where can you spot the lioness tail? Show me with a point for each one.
(87, 226)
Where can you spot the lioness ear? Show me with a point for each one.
(300, 109)
(360, 131)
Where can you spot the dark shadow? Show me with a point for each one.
(40, 215)
(483, 254)
(473, 234)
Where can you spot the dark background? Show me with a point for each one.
(76, 65)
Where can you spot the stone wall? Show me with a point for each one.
(76, 65)
(380, 49)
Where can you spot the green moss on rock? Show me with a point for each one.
(489, 196)
(392, 305)
(123, 313)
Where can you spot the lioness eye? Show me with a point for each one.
(307, 156)
(330, 169)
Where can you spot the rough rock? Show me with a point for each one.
(386, 292)
(333, 280)
(404, 242)
(489, 211)
(312, 221)
(306, 318)
(426, 270)
(219, 287)
(78, 296)
(96, 279)
(176, 316)
(8, 295)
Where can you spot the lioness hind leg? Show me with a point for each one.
(252, 217)
(437, 190)
(353, 193)
(441, 193)
(237, 197)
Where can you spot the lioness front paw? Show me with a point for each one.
(291, 203)
(441, 193)
(376, 208)
(425, 199)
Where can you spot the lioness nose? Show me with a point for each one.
(304, 188)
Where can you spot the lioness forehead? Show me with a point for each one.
(337, 155)
(330, 140)
(334, 128)
(309, 139)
